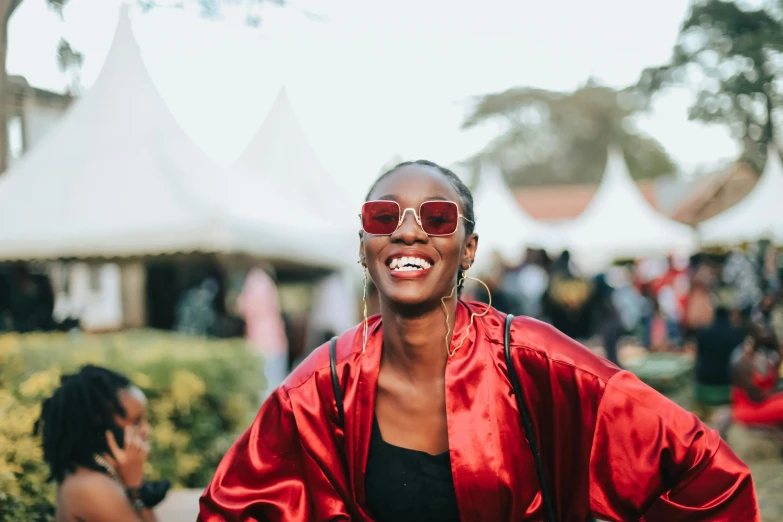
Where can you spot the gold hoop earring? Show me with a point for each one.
(446, 308)
(472, 316)
(364, 303)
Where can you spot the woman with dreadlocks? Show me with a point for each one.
(95, 441)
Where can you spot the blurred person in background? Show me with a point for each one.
(741, 271)
(95, 439)
(769, 268)
(660, 333)
(757, 398)
(568, 299)
(501, 297)
(671, 287)
(770, 313)
(698, 309)
(607, 322)
(531, 282)
(714, 346)
(264, 328)
(411, 415)
(627, 300)
(771, 310)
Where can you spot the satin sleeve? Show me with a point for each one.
(651, 460)
(262, 476)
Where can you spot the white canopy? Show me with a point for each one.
(502, 225)
(281, 154)
(619, 223)
(118, 177)
(756, 216)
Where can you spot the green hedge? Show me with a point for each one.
(202, 395)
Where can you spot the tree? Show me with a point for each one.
(69, 60)
(731, 56)
(212, 8)
(7, 8)
(557, 138)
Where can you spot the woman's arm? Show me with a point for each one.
(262, 476)
(652, 460)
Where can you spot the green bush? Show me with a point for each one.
(202, 395)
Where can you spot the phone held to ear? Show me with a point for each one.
(118, 433)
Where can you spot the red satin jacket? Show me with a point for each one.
(610, 445)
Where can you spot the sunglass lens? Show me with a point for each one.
(439, 218)
(380, 217)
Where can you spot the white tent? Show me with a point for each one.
(502, 225)
(118, 177)
(280, 153)
(757, 216)
(619, 223)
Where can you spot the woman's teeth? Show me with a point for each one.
(402, 264)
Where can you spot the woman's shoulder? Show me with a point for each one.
(92, 495)
(87, 482)
(531, 339)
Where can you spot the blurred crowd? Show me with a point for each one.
(661, 305)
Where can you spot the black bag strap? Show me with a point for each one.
(528, 427)
(338, 394)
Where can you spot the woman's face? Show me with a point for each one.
(410, 186)
(135, 404)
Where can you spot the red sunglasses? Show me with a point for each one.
(436, 218)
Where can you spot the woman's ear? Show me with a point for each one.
(469, 254)
(362, 259)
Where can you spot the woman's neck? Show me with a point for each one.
(415, 346)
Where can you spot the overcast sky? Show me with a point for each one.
(371, 80)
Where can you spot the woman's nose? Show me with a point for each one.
(409, 230)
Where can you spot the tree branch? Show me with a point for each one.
(147, 5)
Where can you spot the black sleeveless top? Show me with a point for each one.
(408, 485)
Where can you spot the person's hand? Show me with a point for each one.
(130, 459)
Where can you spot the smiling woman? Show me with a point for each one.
(415, 416)
(413, 212)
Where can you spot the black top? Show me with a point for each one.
(408, 485)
